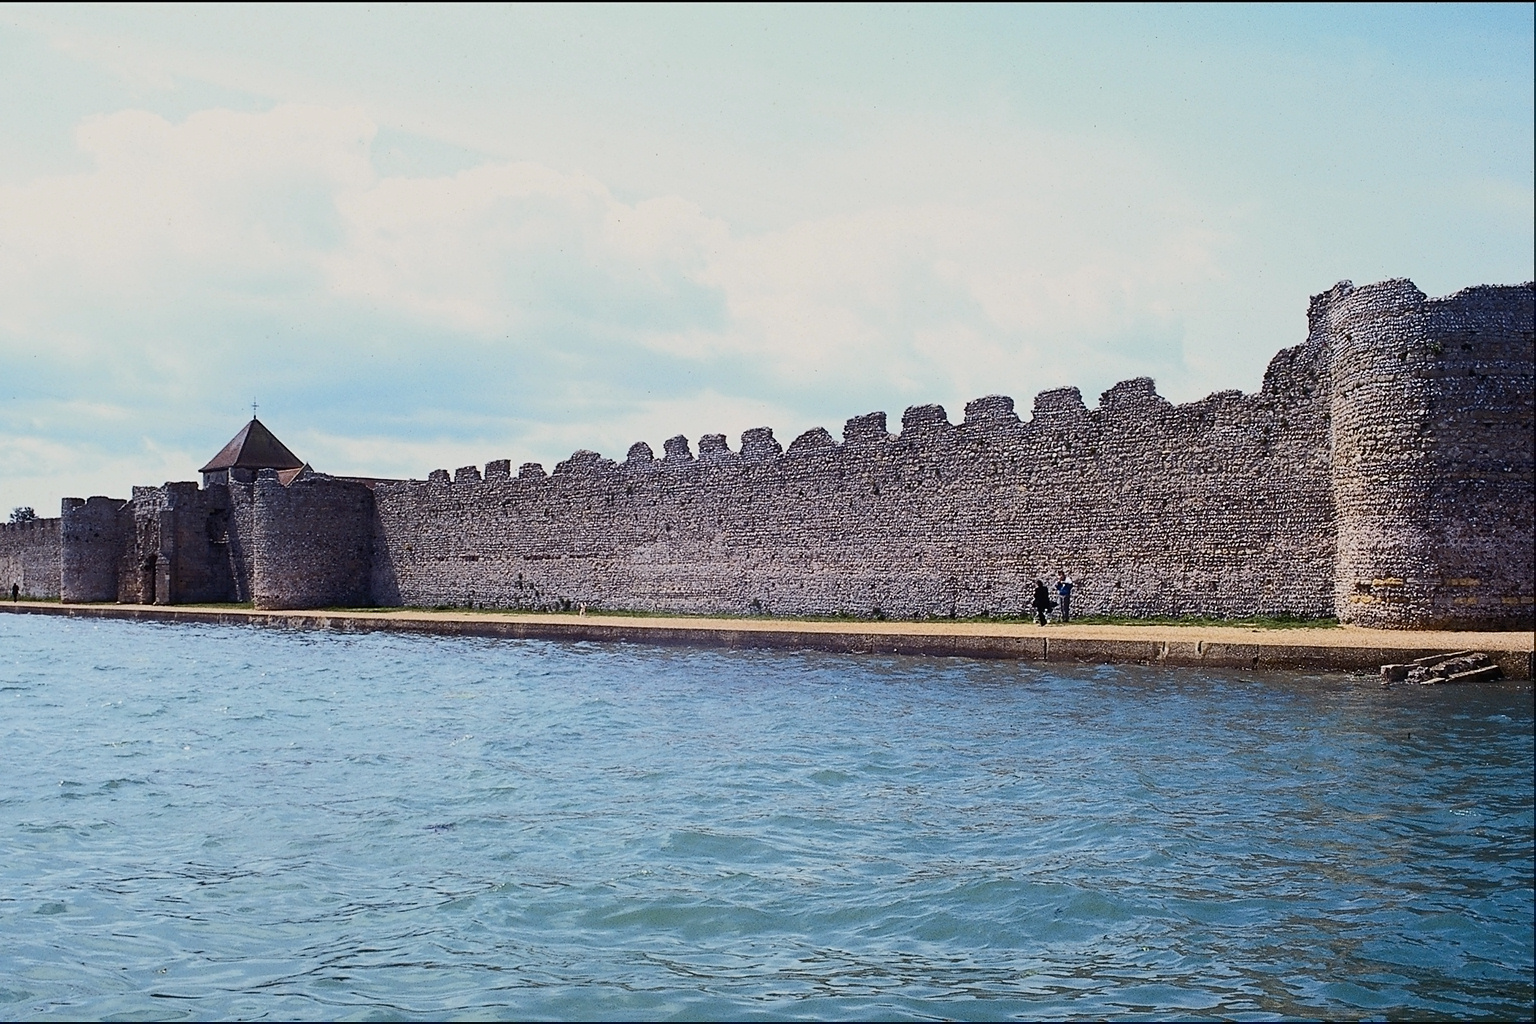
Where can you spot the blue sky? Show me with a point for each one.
(429, 237)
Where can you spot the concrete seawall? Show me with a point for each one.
(1318, 650)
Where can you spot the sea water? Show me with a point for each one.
(217, 822)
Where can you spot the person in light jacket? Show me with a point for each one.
(1064, 594)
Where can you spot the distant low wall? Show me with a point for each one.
(29, 558)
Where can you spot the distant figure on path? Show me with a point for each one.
(1064, 592)
(1042, 602)
(15, 592)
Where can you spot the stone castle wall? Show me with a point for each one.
(1484, 463)
(1383, 473)
(1218, 507)
(311, 544)
(29, 558)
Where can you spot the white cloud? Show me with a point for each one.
(234, 252)
(224, 199)
(471, 248)
(249, 202)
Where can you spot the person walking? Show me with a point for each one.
(1064, 593)
(1042, 602)
(15, 592)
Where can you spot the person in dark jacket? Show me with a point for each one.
(1042, 602)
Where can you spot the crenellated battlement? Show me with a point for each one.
(40, 524)
(1128, 405)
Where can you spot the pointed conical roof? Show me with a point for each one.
(255, 447)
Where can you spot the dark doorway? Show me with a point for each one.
(147, 581)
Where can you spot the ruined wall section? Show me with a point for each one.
(141, 578)
(174, 547)
(1219, 507)
(29, 558)
(1432, 455)
(201, 538)
(311, 542)
(92, 535)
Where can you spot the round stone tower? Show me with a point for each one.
(1432, 459)
(1383, 406)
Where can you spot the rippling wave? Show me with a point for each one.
(246, 822)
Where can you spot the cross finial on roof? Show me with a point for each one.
(253, 408)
